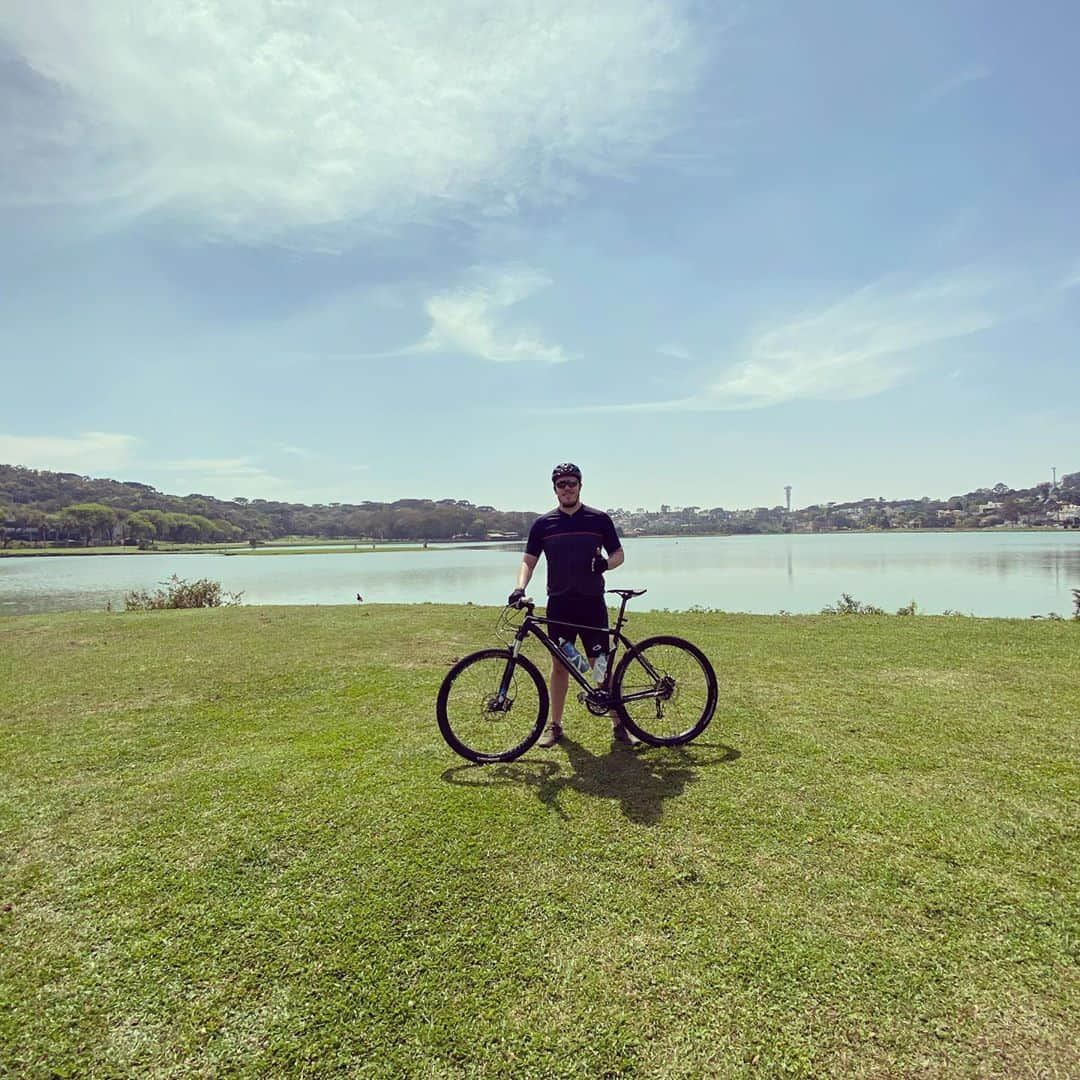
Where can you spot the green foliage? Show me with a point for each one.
(202, 518)
(910, 608)
(178, 593)
(88, 521)
(1076, 603)
(848, 605)
(140, 526)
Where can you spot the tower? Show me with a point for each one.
(787, 492)
(1053, 473)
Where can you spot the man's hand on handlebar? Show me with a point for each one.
(515, 598)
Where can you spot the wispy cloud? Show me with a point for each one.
(968, 75)
(239, 467)
(259, 121)
(221, 477)
(470, 321)
(90, 452)
(858, 347)
(674, 351)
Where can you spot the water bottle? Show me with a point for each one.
(577, 661)
(600, 669)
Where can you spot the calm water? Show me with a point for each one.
(983, 573)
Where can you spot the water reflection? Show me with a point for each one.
(1016, 574)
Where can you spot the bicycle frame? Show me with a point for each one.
(596, 695)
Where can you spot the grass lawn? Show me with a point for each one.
(233, 842)
(278, 547)
(118, 549)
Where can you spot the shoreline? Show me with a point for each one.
(468, 605)
(324, 547)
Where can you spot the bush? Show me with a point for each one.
(848, 605)
(177, 593)
(1076, 603)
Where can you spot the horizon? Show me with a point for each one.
(700, 249)
(630, 506)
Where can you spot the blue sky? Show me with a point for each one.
(344, 250)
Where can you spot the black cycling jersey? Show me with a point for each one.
(569, 541)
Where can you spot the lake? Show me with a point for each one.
(981, 573)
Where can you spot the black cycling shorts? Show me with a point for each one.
(584, 610)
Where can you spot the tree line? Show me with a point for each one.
(37, 506)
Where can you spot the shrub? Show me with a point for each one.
(177, 593)
(908, 609)
(1076, 603)
(848, 605)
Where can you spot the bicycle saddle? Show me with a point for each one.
(627, 593)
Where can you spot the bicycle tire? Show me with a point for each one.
(676, 711)
(469, 724)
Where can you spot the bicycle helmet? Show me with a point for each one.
(567, 468)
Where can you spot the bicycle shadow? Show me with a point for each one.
(641, 780)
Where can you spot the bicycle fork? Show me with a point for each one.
(502, 701)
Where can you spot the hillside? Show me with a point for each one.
(37, 506)
(40, 505)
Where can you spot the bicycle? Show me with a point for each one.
(493, 704)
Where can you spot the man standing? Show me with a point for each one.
(571, 537)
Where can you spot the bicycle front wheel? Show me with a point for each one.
(665, 691)
(485, 717)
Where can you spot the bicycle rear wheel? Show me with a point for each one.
(665, 691)
(483, 725)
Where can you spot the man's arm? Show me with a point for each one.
(616, 555)
(525, 573)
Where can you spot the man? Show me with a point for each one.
(571, 538)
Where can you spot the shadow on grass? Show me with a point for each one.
(642, 780)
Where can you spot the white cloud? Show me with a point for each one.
(215, 466)
(257, 121)
(856, 348)
(470, 320)
(675, 351)
(223, 478)
(972, 74)
(90, 452)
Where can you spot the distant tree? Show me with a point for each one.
(88, 521)
(140, 527)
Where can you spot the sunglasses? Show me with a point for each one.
(567, 483)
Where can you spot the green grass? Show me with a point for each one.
(232, 842)
(273, 547)
(119, 549)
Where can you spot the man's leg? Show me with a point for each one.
(560, 680)
(558, 684)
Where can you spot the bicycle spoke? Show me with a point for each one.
(479, 719)
(667, 690)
